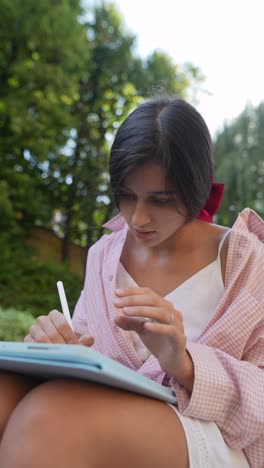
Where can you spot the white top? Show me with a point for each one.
(193, 298)
(197, 299)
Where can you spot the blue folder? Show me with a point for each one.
(50, 361)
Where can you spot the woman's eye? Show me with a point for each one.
(163, 201)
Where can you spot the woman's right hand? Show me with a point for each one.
(54, 328)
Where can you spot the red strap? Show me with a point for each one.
(213, 203)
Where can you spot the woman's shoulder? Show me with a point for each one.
(217, 234)
(222, 236)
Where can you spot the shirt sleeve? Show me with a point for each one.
(80, 319)
(229, 392)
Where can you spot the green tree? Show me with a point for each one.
(105, 97)
(239, 157)
(117, 81)
(40, 66)
(159, 72)
(68, 78)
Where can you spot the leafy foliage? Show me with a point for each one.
(239, 157)
(159, 73)
(68, 77)
(14, 324)
(40, 68)
(28, 284)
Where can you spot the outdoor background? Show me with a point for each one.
(70, 72)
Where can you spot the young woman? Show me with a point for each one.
(200, 287)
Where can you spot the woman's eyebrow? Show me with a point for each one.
(163, 192)
(152, 192)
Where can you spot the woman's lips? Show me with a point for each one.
(144, 234)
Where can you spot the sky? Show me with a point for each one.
(223, 38)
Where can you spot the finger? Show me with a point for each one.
(86, 340)
(37, 335)
(52, 328)
(46, 331)
(129, 324)
(29, 339)
(161, 329)
(142, 296)
(139, 300)
(133, 292)
(154, 313)
(59, 329)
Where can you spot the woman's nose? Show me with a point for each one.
(140, 215)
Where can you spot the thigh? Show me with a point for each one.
(87, 425)
(13, 387)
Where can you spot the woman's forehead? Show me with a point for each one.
(149, 174)
(150, 179)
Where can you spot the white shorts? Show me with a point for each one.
(206, 446)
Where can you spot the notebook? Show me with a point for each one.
(49, 361)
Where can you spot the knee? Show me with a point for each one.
(55, 421)
(13, 388)
(35, 412)
(37, 425)
(44, 410)
(50, 406)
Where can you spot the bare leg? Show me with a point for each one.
(62, 424)
(13, 387)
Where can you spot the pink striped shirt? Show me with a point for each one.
(229, 354)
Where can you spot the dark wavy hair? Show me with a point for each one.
(170, 132)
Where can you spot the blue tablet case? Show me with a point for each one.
(50, 361)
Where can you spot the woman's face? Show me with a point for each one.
(150, 206)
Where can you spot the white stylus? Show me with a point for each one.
(64, 303)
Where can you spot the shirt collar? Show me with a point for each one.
(115, 224)
(250, 222)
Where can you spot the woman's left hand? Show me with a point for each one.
(163, 334)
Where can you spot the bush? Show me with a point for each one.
(29, 284)
(14, 324)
